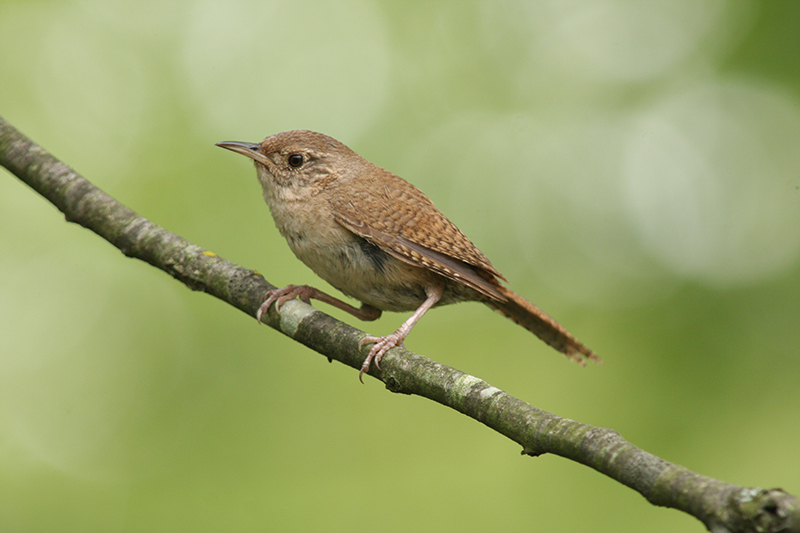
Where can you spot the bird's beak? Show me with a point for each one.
(251, 150)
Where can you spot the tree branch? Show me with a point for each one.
(720, 506)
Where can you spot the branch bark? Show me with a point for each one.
(720, 506)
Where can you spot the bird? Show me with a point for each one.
(380, 240)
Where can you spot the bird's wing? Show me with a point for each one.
(404, 223)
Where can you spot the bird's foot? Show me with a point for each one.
(281, 296)
(382, 345)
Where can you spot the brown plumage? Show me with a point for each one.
(378, 239)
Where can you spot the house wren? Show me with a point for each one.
(378, 239)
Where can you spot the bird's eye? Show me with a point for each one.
(295, 160)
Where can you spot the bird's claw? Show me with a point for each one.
(381, 346)
(281, 296)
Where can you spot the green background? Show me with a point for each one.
(631, 167)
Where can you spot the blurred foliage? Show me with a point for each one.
(631, 167)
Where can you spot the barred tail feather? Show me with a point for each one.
(530, 317)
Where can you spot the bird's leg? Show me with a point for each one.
(305, 293)
(383, 344)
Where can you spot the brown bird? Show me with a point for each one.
(378, 239)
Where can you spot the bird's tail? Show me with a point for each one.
(536, 321)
